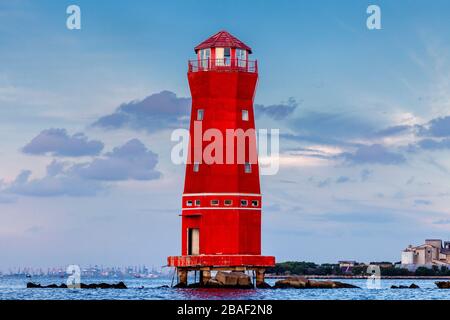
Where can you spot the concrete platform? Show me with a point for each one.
(221, 261)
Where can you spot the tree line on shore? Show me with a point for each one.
(328, 269)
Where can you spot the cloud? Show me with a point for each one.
(277, 111)
(431, 144)
(158, 111)
(422, 202)
(132, 161)
(57, 142)
(365, 174)
(439, 127)
(394, 130)
(442, 221)
(376, 154)
(365, 217)
(342, 179)
(331, 126)
(51, 185)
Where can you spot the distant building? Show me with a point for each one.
(432, 252)
(346, 266)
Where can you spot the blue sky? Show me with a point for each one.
(86, 117)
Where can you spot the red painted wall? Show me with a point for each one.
(236, 228)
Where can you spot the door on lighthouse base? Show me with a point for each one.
(193, 241)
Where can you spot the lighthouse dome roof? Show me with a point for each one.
(223, 39)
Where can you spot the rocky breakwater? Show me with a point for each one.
(412, 286)
(119, 285)
(443, 284)
(303, 283)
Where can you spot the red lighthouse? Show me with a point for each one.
(221, 208)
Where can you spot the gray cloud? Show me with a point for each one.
(439, 127)
(431, 144)
(132, 161)
(158, 111)
(375, 153)
(422, 202)
(57, 142)
(358, 217)
(61, 184)
(365, 174)
(342, 179)
(394, 130)
(442, 221)
(277, 111)
(331, 126)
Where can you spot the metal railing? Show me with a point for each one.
(224, 65)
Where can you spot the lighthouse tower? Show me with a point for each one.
(221, 203)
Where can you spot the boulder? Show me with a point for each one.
(292, 282)
(303, 283)
(443, 284)
(263, 285)
(232, 279)
(321, 284)
(213, 283)
(412, 286)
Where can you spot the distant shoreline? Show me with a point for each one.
(273, 276)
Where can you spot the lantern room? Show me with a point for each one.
(222, 51)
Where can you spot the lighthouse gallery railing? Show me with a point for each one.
(224, 65)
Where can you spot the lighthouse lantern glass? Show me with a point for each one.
(204, 56)
(241, 56)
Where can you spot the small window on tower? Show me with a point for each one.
(244, 203)
(255, 203)
(214, 202)
(228, 202)
(248, 167)
(197, 203)
(196, 166)
(189, 203)
(244, 115)
(200, 113)
(227, 56)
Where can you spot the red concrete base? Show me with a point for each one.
(219, 261)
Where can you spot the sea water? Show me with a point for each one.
(14, 287)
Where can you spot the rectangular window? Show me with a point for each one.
(244, 115)
(228, 202)
(196, 166)
(205, 54)
(220, 54)
(200, 113)
(227, 56)
(244, 203)
(197, 203)
(189, 203)
(255, 203)
(248, 168)
(214, 202)
(241, 56)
